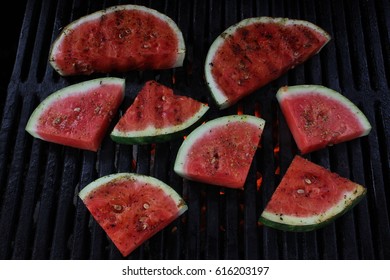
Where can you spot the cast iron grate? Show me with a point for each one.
(41, 217)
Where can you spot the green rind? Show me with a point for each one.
(144, 140)
(310, 227)
(161, 136)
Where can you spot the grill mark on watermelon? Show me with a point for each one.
(168, 109)
(121, 40)
(257, 51)
(158, 115)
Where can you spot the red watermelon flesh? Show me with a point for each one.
(309, 196)
(156, 115)
(220, 152)
(78, 115)
(131, 208)
(318, 117)
(120, 38)
(256, 51)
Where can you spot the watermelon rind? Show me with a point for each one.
(299, 224)
(99, 14)
(152, 134)
(169, 191)
(199, 132)
(72, 90)
(216, 92)
(289, 92)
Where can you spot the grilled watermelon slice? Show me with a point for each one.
(309, 197)
(220, 151)
(78, 115)
(319, 116)
(157, 115)
(255, 51)
(131, 208)
(119, 38)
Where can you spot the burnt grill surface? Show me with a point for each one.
(41, 216)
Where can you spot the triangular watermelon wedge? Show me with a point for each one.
(309, 197)
(119, 38)
(256, 51)
(131, 208)
(157, 115)
(78, 115)
(220, 151)
(319, 116)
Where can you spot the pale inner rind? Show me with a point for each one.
(153, 131)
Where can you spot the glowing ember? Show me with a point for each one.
(257, 110)
(259, 180)
(240, 109)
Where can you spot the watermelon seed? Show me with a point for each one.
(77, 109)
(142, 224)
(57, 120)
(124, 32)
(146, 206)
(98, 109)
(300, 191)
(307, 181)
(117, 208)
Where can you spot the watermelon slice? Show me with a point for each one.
(255, 51)
(157, 115)
(78, 115)
(119, 38)
(220, 152)
(309, 197)
(318, 116)
(131, 208)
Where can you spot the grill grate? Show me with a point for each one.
(42, 218)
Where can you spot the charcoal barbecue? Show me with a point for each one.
(41, 216)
